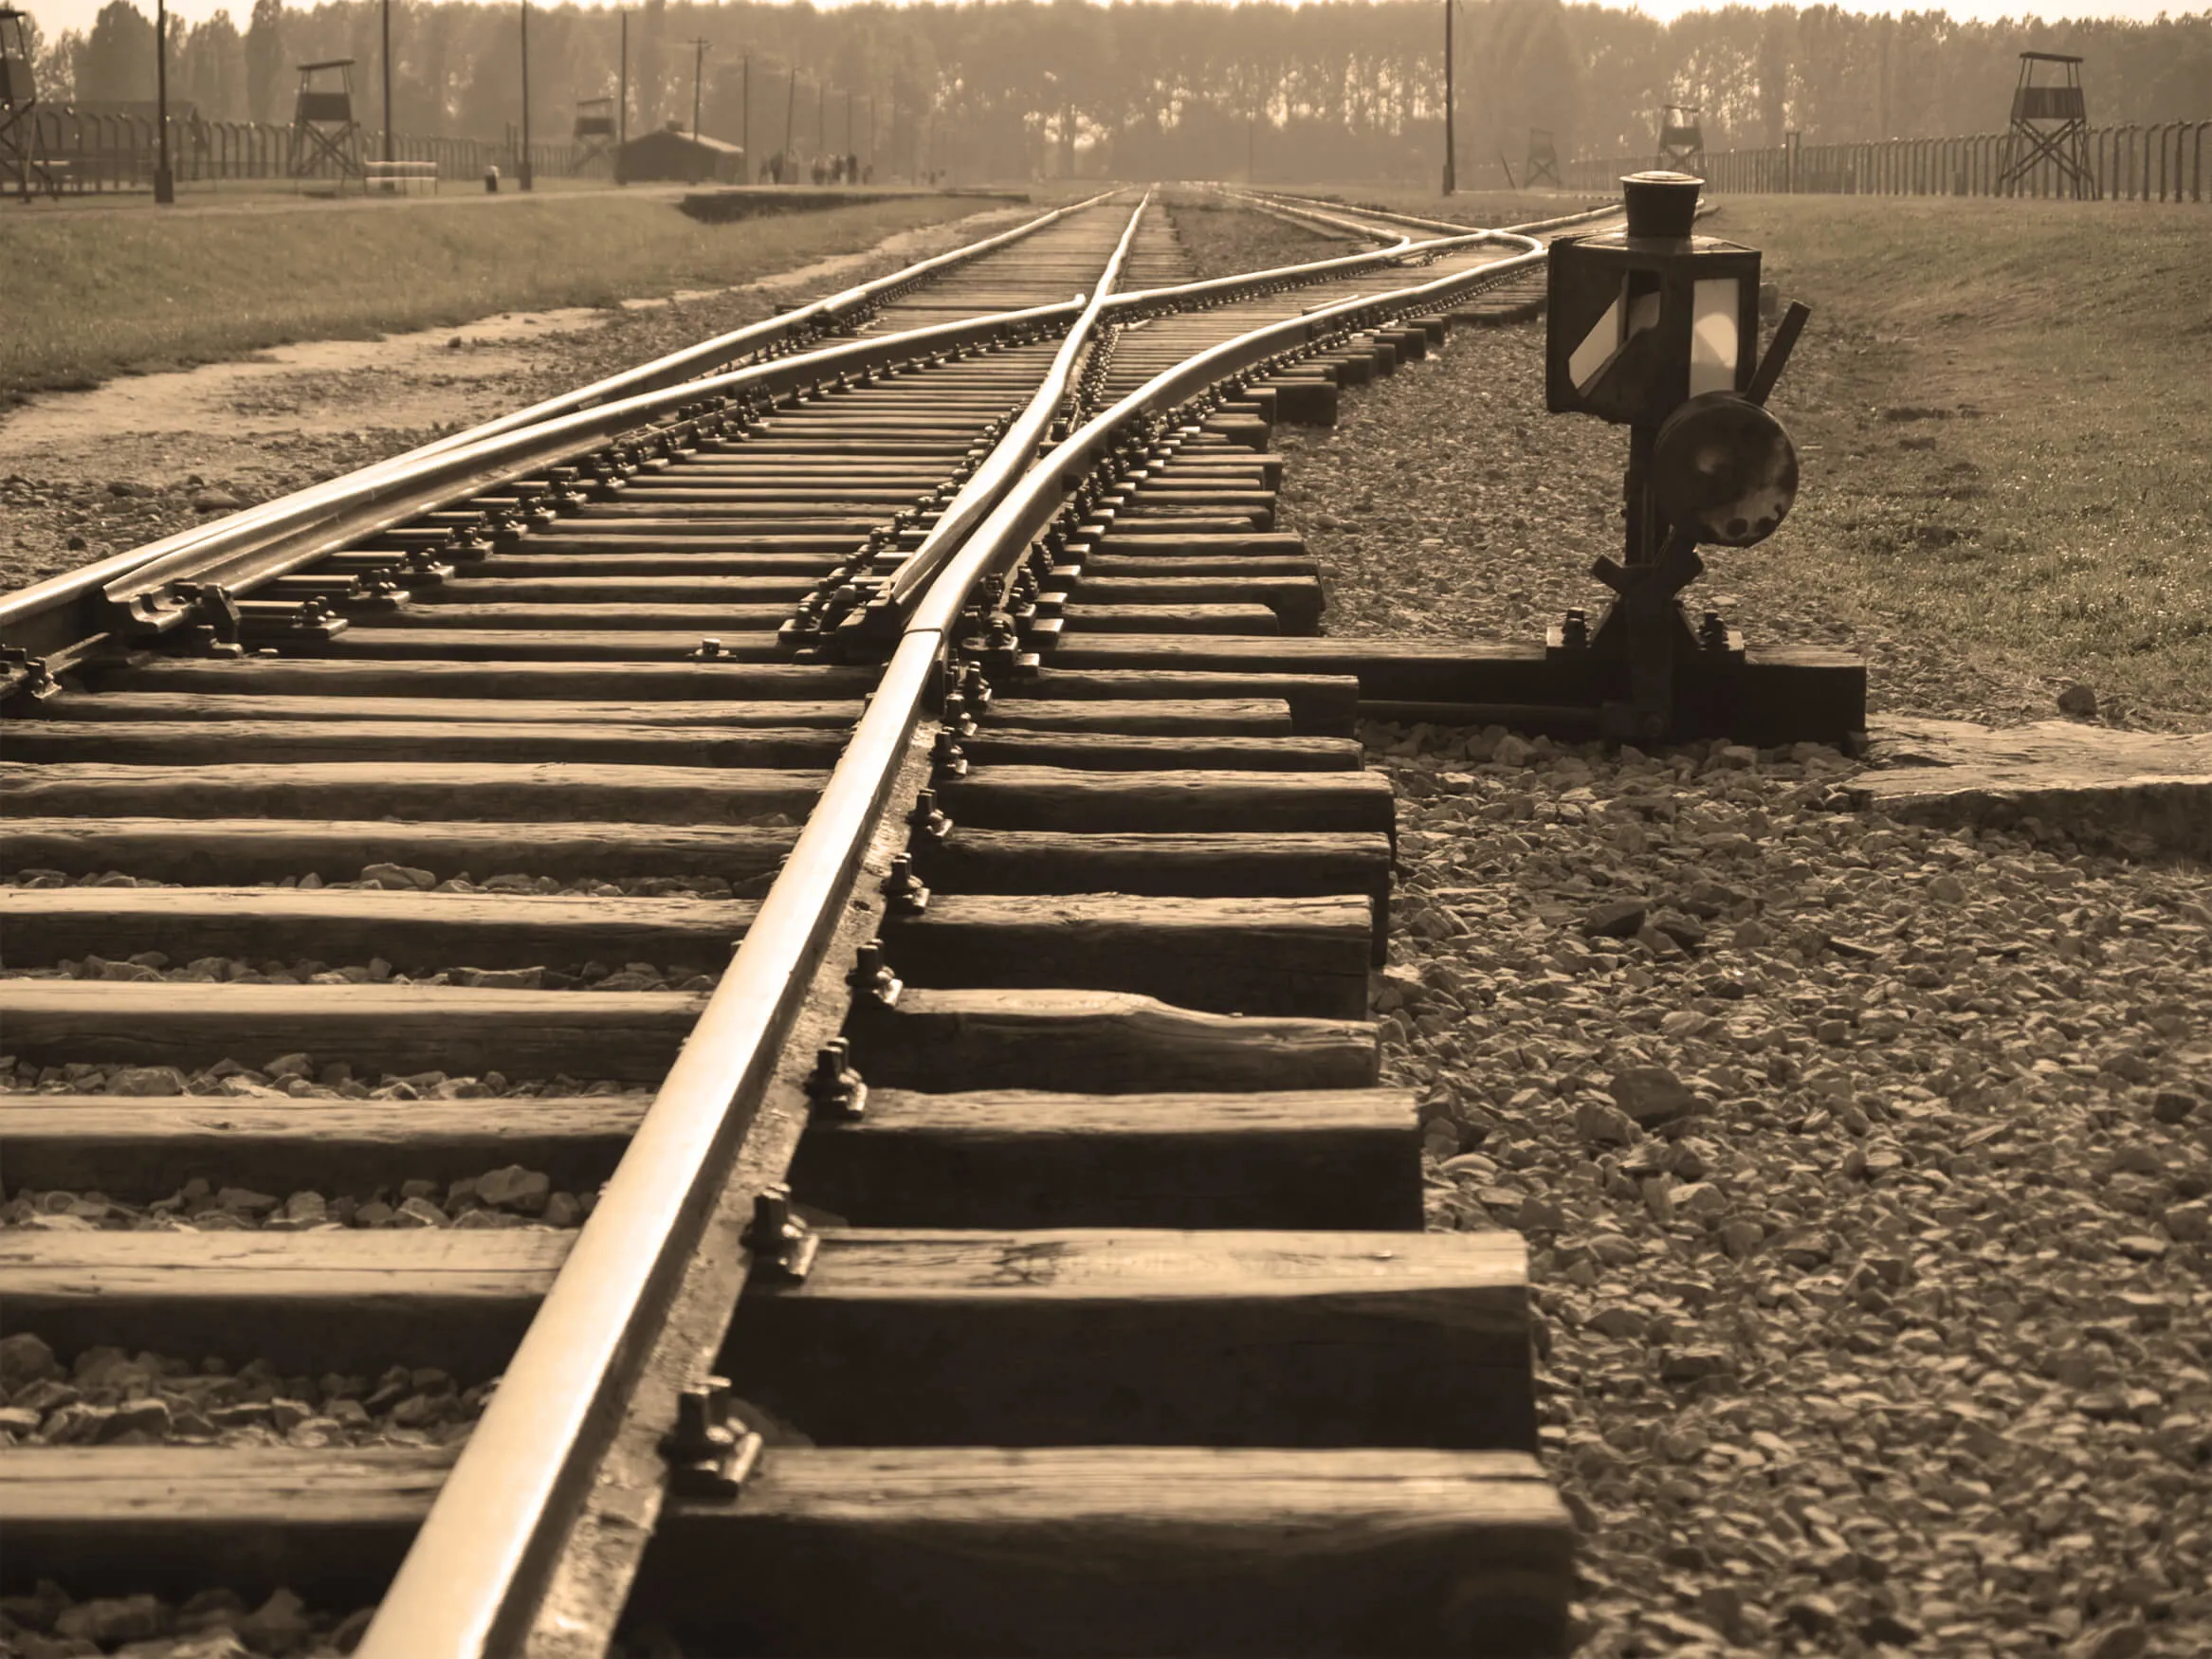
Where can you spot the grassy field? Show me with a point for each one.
(2013, 404)
(2005, 410)
(90, 296)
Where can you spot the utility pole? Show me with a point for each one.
(790, 103)
(821, 118)
(622, 104)
(746, 118)
(522, 163)
(849, 150)
(698, 72)
(1451, 141)
(387, 184)
(164, 181)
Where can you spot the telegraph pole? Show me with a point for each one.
(746, 119)
(622, 104)
(164, 181)
(522, 163)
(1451, 142)
(790, 103)
(387, 184)
(698, 70)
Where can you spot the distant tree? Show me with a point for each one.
(116, 63)
(1776, 37)
(264, 62)
(209, 69)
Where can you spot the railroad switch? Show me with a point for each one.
(1656, 329)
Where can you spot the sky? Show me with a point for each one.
(57, 15)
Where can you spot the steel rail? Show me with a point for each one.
(283, 536)
(1534, 228)
(255, 552)
(691, 361)
(675, 367)
(466, 1586)
(472, 1580)
(1034, 503)
(1013, 453)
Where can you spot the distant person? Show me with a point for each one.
(867, 173)
(851, 169)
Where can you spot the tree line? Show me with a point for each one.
(1336, 89)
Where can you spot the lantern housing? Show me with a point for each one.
(1643, 319)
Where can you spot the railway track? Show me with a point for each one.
(398, 1148)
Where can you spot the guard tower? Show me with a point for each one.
(1542, 162)
(2050, 121)
(23, 164)
(323, 128)
(594, 132)
(1681, 139)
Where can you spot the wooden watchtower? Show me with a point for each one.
(594, 132)
(1681, 139)
(23, 163)
(1543, 159)
(2050, 121)
(323, 127)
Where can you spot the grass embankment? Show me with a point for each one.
(2012, 401)
(93, 296)
(2006, 411)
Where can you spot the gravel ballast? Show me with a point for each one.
(1864, 1165)
(109, 1397)
(213, 1624)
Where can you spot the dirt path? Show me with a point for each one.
(92, 473)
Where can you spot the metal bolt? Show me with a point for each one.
(903, 888)
(778, 1239)
(947, 759)
(708, 1455)
(835, 1088)
(871, 977)
(926, 819)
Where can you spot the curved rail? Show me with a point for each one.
(679, 366)
(129, 592)
(254, 550)
(1534, 228)
(1015, 452)
(468, 1583)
